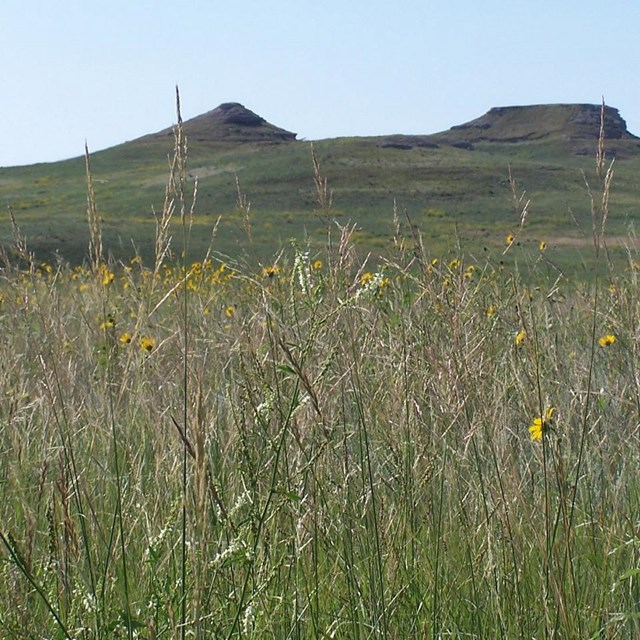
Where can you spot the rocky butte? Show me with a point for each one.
(232, 123)
(537, 122)
(578, 124)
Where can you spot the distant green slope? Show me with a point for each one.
(452, 195)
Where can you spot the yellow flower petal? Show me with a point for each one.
(607, 340)
(536, 429)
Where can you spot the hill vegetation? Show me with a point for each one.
(322, 446)
(466, 186)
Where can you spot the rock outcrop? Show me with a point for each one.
(231, 122)
(573, 122)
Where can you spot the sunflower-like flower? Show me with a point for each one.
(147, 343)
(107, 275)
(108, 323)
(541, 424)
(607, 341)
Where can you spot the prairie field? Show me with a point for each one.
(322, 446)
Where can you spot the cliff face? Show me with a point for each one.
(539, 122)
(231, 122)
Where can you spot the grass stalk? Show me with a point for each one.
(323, 446)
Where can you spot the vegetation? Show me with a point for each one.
(320, 446)
(450, 194)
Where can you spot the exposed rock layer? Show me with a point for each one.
(231, 122)
(540, 122)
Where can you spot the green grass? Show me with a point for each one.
(319, 446)
(469, 188)
(358, 455)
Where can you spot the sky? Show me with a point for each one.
(105, 71)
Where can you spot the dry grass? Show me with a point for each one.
(322, 449)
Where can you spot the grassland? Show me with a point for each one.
(319, 446)
(451, 195)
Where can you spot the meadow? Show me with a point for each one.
(324, 445)
(455, 196)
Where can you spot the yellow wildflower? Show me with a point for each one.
(540, 424)
(521, 336)
(108, 323)
(366, 278)
(491, 311)
(230, 311)
(509, 239)
(542, 246)
(125, 338)
(147, 343)
(107, 275)
(317, 265)
(270, 272)
(606, 341)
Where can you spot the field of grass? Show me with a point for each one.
(319, 446)
(450, 194)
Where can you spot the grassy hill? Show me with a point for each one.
(454, 187)
(319, 447)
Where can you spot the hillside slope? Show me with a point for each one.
(454, 186)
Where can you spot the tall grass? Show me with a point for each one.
(323, 447)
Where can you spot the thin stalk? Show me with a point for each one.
(435, 613)
(364, 434)
(116, 462)
(284, 429)
(95, 249)
(180, 174)
(19, 561)
(598, 226)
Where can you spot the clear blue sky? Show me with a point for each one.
(105, 70)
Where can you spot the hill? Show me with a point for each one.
(230, 122)
(454, 186)
(578, 124)
(539, 122)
